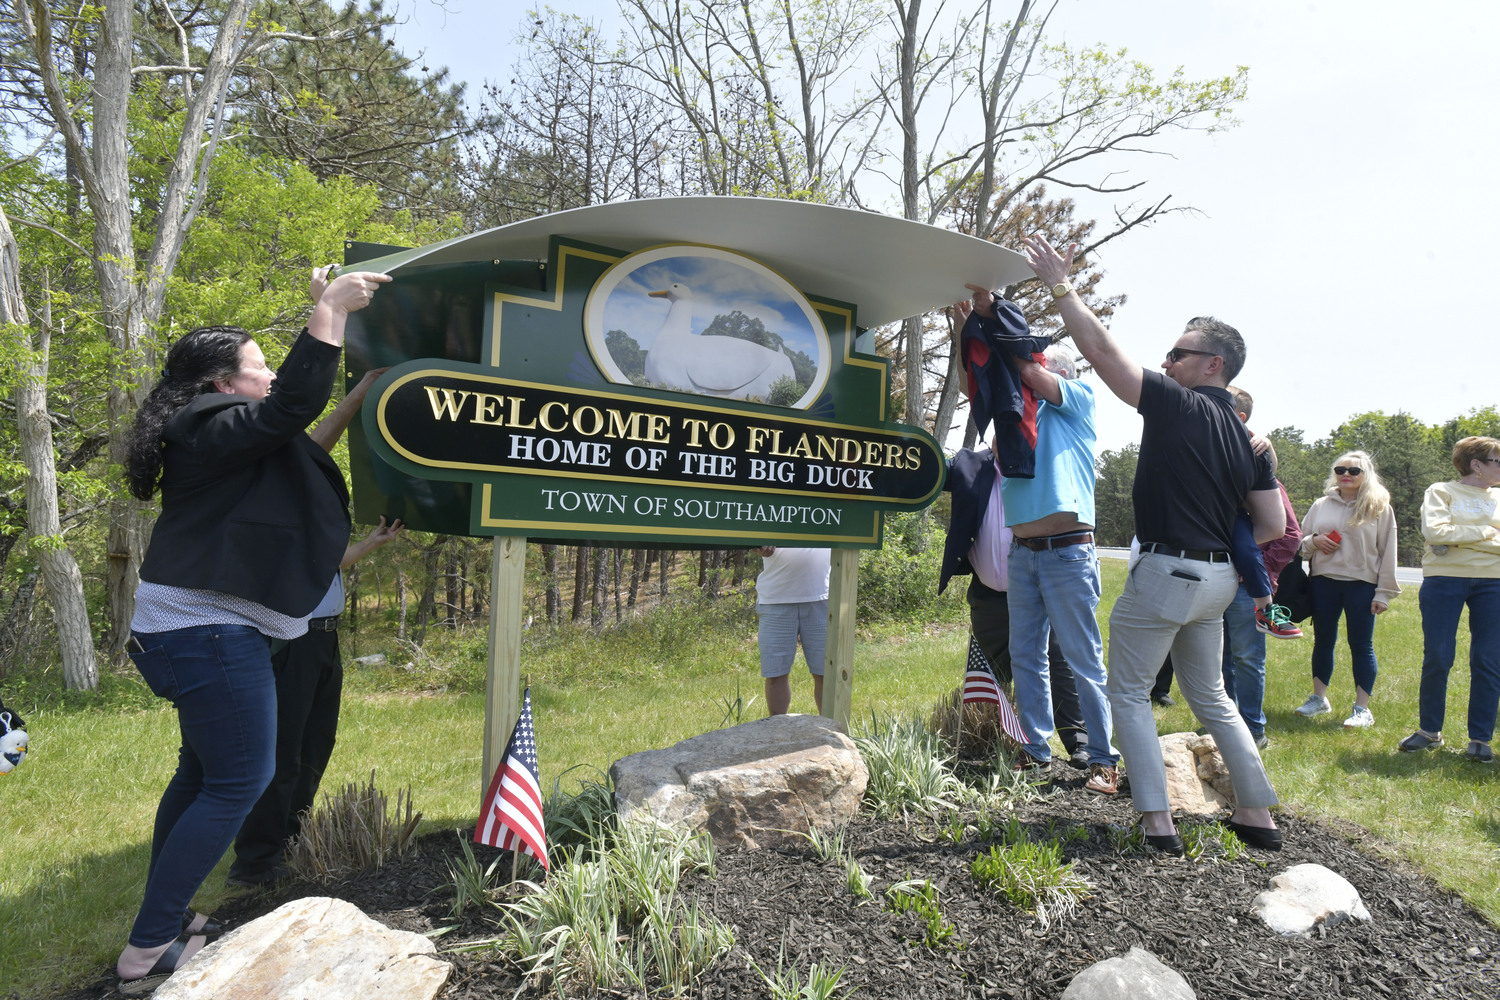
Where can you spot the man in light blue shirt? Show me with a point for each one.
(1054, 570)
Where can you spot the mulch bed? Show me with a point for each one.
(1423, 941)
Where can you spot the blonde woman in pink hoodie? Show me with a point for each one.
(1349, 534)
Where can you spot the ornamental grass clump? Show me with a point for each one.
(1034, 877)
(607, 917)
(909, 772)
(786, 982)
(351, 832)
(921, 899)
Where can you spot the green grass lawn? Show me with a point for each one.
(75, 819)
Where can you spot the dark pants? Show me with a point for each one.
(309, 680)
(219, 679)
(1163, 683)
(1350, 599)
(989, 617)
(1442, 599)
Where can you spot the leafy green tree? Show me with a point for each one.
(1408, 455)
(1114, 508)
(627, 354)
(358, 109)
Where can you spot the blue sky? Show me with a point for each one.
(1347, 227)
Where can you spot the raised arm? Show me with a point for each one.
(1121, 373)
(345, 294)
(327, 433)
(381, 535)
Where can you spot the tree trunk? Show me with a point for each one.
(351, 608)
(737, 560)
(427, 605)
(580, 579)
(452, 581)
(948, 397)
(14, 630)
(549, 569)
(596, 597)
(614, 570)
(43, 523)
(664, 560)
(635, 577)
(401, 605)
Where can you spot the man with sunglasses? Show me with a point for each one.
(1196, 469)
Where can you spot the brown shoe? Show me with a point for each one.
(1103, 779)
(1024, 762)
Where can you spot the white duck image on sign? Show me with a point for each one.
(708, 322)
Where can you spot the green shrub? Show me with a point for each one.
(1033, 876)
(899, 580)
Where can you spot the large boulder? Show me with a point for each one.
(752, 785)
(1197, 781)
(1306, 896)
(315, 948)
(1140, 975)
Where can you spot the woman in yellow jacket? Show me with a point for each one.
(1350, 533)
(1461, 565)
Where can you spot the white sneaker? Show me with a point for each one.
(1359, 718)
(1314, 705)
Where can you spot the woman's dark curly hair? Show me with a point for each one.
(193, 363)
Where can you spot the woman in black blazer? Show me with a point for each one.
(254, 520)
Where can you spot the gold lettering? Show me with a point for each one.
(623, 426)
(448, 406)
(487, 409)
(913, 457)
(597, 418)
(802, 449)
(514, 417)
(758, 436)
(827, 449)
(695, 426)
(657, 427)
(542, 417)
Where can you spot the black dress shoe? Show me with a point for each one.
(1168, 843)
(1164, 700)
(1255, 836)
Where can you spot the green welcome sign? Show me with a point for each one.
(680, 371)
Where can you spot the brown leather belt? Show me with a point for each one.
(1057, 541)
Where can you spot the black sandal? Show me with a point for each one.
(212, 927)
(165, 966)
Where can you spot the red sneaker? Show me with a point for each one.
(1273, 621)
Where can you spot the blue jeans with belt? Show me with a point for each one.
(1442, 599)
(219, 678)
(1058, 588)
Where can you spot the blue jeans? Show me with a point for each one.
(1245, 661)
(220, 680)
(1442, 599)
(1352, 599)
(1058, 588)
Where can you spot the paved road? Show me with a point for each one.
(1407, 576)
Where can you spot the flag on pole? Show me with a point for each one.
(981, 685)
(512, 817)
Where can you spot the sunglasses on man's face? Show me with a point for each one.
(1176, 354)
(1347, 470)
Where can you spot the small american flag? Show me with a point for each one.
(980, 686)
(512, 818)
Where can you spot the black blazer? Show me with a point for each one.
(250, 506)
(971, 476)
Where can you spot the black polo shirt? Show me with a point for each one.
(1195, 467)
